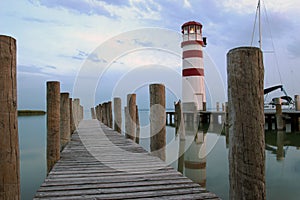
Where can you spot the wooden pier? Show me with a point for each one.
(99, 163)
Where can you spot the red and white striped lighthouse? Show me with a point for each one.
(193, 86)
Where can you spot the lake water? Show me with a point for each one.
(204, 161)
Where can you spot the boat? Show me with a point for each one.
(287, 101)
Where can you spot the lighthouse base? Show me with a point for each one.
(193, 107)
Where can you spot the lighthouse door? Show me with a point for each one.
(199, 101)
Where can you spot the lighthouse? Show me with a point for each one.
(193, 86)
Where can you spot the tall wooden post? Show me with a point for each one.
(138, 128)
(297, 108)
(246, 120)
(9, 140)
(297, 102)
(180, 127)
(109, 115)
(76, 111)
(65, 132)
(157, 120)
(117, 114)
(280, 123)
(104, 113)
(93, 113)
(53, 123)
(72, 122)
(218, 106)
(100, 113)
(97, 112)
(81, 113)
(131, 117)
(127, 120)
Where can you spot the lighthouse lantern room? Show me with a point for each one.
(193, 86)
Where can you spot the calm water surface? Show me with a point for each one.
(32, 138)
(204, 161)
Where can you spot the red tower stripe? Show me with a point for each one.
(192, 54)
(194, 165)
(193, 72)
(189, 42)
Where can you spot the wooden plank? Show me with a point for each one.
(124, 193)
(126, 184)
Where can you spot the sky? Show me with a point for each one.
(95, 48)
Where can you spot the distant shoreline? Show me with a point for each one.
(30, 112)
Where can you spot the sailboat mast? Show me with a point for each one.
(259, 26)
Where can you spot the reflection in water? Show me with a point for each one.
(277, 142)
(280, 144)
(196, 144)
(192, 162)
(195, 160)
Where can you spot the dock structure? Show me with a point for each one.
(289, 116)
(99, 163)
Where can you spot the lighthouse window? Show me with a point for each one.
(198, 29)
(192, 29)
(185, 30)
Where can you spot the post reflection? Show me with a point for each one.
(280, 144)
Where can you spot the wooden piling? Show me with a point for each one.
(117, 114)
(53, 123)
(295, 119)
(65, 132)
(72, 122)
(180, 126)
(127, 120)
(9, 141)
(109, 115)
(104, 113)
(246, 120)
(280, 123)
(100, 112)
(96, 112)
(138, 128)
(76, 111)
(157, 120)
(93, 113)
(297, 102)
(81, 113)
(218, 106)
(131, 117)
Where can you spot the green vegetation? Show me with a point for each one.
(30, 112)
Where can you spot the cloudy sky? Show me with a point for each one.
(58, 38)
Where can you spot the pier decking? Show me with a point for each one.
(99, 163)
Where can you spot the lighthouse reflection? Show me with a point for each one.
(192, 153)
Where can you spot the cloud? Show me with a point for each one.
(39, 20)
(116, 2)
(32, 71)
(146, 9)
(142, 43)
(81, 55)
(82, 6)
(94, 58)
